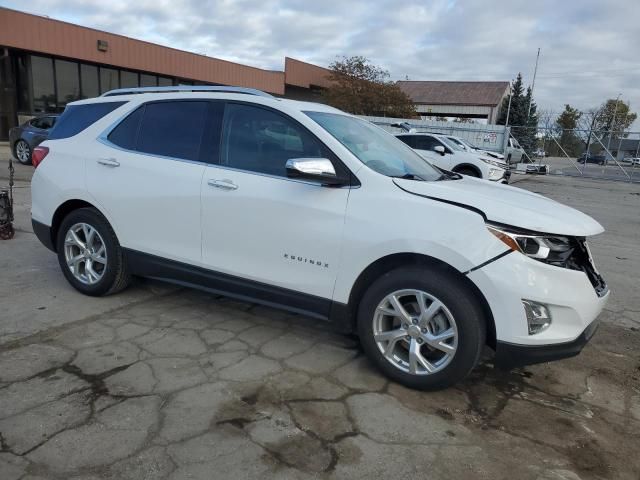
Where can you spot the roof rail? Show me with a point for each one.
(186, 88)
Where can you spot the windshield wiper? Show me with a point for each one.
(447, 175)
(408, 176)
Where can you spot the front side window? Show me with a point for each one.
(259, 140)
(427, 142)
(376, 148)
(173, 129)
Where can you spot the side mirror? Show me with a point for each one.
(316, 169)
(439, 149)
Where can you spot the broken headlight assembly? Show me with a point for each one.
(552, 249)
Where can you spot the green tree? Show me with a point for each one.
(522, 115)
(566, 123)
(614, 111)
(361, 88)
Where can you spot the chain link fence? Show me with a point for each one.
(583, 152)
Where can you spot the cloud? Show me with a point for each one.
(588, 47)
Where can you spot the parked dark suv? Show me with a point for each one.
(591, 158)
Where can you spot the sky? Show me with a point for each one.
(589, 49)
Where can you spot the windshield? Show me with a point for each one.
(469, 145)
(451, 143)
(376, 148)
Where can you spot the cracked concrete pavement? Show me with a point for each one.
(167, 383)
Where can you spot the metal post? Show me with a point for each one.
(506, 123)
(613, 125)
(533, 84)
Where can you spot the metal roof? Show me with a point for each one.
(455, 93)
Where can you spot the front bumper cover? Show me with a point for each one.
(512, 355)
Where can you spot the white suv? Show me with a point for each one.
(445, 154)
(301, 206)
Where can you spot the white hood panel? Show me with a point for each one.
(508, 205)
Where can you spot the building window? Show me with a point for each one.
(165, 82)
(89, 81)
(44, 95)
(148, 80)
(108, 79)
(68, 82)
(128, 79)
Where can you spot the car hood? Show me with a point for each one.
(506, 205)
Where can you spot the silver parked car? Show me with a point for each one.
(24, 138)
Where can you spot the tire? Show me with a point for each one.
(456, 301)
(22, 152)
(469, 172)
(92, 277)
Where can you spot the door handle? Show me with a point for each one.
(223, 184)
(109, 162)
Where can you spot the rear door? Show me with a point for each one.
(146, 174)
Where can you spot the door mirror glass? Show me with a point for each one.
(318, 169)
(439, 149)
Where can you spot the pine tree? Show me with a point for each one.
(522, 120)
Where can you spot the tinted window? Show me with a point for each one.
(262, 141)
(165, 82)
(44, 97)
(426, 142)
(126, 133)
(68, 82)
(128, 79)
(89, 79)
(78, 117)
(409, 140)
(173, 129)
(148, 80)
(108, 79)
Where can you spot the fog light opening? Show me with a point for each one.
(538, 316)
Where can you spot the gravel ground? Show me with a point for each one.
(167, 383)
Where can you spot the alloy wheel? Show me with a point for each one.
(23, 152)
(415, 332)
(85, 253)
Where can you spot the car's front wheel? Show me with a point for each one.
(23, 152)
(423, 329)
(90, 255)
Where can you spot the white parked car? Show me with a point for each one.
(468, 147)
(301, 206)
(447, 155)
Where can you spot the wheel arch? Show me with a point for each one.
(62, 211)
(397, 260)
(469, 166)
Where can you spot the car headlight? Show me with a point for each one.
(493, 162)
(552, 249)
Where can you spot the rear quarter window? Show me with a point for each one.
(77, 118)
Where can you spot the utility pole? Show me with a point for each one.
(613, 125)
(533, 84)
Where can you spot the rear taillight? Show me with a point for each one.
(38, 154)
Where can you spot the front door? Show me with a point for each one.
(262, 228)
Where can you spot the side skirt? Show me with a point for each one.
(171, 271)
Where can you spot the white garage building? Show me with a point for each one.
(473, 100)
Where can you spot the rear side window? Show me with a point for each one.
(126, 133)
(172, 129)
(76, 118)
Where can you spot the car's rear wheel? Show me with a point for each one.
(90, 255)
(23, 152)
(423, 329)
